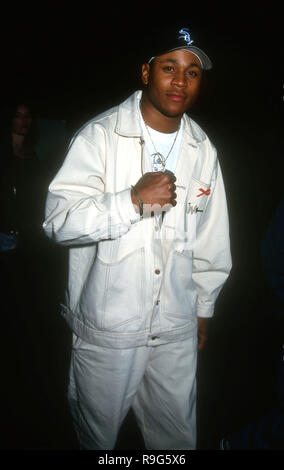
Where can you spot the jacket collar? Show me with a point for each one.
(128, 125)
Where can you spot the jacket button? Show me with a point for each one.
(157, 271)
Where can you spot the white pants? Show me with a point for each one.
(159, 383)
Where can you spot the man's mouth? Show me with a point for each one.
(177, 97)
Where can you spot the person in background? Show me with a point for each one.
(267, 433)
(20, 175)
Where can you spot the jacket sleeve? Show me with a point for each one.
(78, 210)
(212, 256)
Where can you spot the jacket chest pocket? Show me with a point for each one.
(113, 295)
(197, 197)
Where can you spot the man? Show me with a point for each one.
(149, 253)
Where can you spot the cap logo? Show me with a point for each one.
(184, 34)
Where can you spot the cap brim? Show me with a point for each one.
(204, 59)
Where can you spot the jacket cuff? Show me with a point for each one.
(205, 311)
(125, 207)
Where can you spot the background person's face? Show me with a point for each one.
(22, 120)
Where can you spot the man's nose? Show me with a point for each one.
(179, 79)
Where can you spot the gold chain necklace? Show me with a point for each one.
(158, 158)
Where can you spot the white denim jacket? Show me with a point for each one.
(137, 282)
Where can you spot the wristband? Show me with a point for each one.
(139, 201)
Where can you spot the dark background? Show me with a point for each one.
(77, 61)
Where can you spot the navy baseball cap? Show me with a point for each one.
(180, 38)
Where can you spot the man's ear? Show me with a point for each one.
(145, 74)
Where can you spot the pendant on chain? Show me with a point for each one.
(158, 161)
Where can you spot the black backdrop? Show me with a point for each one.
(78, 61)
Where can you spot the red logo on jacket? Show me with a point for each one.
(205, 192)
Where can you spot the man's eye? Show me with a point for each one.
(168, 68)
(192, 73)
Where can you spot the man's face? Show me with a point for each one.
(22, 121)
(172, 82)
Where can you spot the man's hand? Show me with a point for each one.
(157, 191)
(203, 331)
